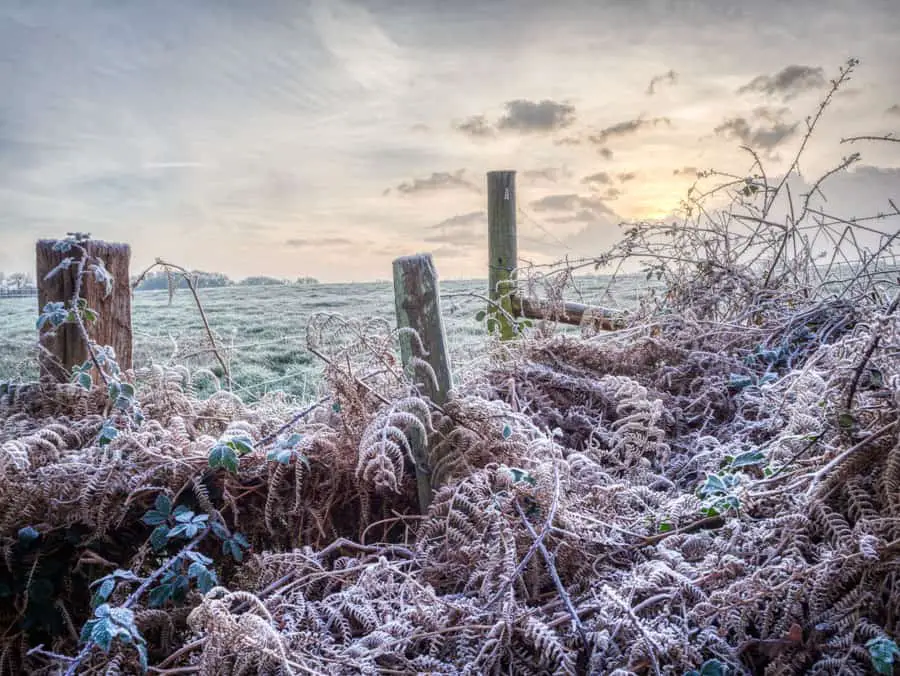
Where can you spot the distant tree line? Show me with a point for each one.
(160, 280)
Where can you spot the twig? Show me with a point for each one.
(817, 477)
(134, 596)
(867, 354)
(538, 542)
(886, 137)
(554, 575)
(708, 522)
(190, 282)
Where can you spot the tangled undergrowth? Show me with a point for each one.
(713, 489)
(643, 503)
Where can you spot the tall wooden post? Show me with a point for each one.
(418, 304)
(502, 246)
(64, 344)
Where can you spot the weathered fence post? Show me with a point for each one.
(418, 304)
(502, 247)
(65, 348)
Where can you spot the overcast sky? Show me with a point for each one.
(327, 137)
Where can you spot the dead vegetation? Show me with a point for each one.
(716, 487)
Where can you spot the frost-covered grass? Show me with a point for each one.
(262, 330)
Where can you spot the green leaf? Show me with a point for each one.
(160, 595)
(748, 459)
(846, 420)
(665, 527)
(159, 537)
(713, 485)
(106, 588)
(882, 651)
(163, 504)
(507, 431)
(27, 535)
(241, 540)
(223, 456)
(107, 434)
(712, 668)
(102, 634)
(480, 315)
(336, 407)
(242, 445)
(86, 631)
(84, 380)
(206, 579)
(89, 315)
(185, 516)
(219, 530)
(282, 455)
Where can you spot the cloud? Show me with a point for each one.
(571, 202)
(552, 174)
(626, 176)
(605, 153)
(626, 128)
(521, 116)
(612, 194)
(477, 126)
(439, 180)
(671, 77)
(767, 134)
(460, 220)
(686, 171)
(303, 242)
(542, 116)
(788, 82)
(450, 252)
(600, 177)
(894, 109)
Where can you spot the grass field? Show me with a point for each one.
(262, 330)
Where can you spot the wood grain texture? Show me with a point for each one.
(113, 324)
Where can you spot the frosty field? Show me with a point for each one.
(261, 331)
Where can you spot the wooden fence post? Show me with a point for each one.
(65, 348)
(418, 304)
(502, 248)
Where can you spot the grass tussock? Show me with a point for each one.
(715, 487)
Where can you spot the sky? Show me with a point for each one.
(328, 137)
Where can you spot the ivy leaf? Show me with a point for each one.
(222, 455)
(242, 445)
(507, 431)
(241, 540)
(665, 527)
(480, 315)
(282, 455)
(748, 459)
(185, 516)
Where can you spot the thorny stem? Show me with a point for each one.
(135, 595)
(190, 282)
(82, 329)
